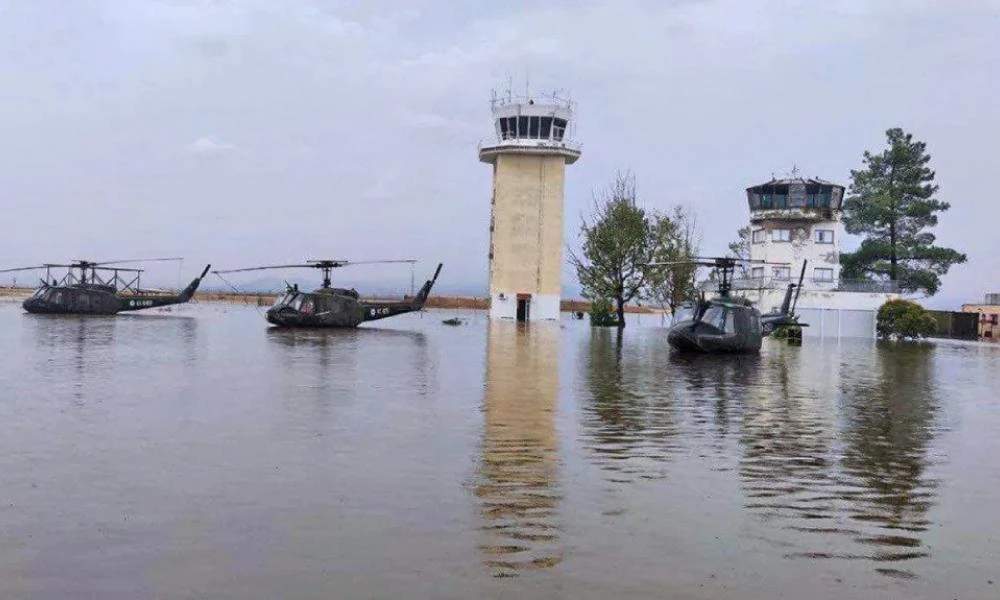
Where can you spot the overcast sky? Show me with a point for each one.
(257, 131)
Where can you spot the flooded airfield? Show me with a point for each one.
(199, 453)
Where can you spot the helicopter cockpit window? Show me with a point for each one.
(284, 299)
(730, 321)
(292, 300)
(39, 292)
(683, 313)
(716, 317)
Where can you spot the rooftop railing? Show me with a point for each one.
(810, 283)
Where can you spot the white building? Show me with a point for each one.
(796, 222)
(529, 157)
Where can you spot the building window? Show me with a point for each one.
(558, 129)
(533, 128)
(820, 274)
(823, 236)
(781, 273)
(757, 272)
(781, 235)
(758, 236)
(522, 127)
(546, 125)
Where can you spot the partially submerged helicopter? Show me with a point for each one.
(728, 324)
(82, 291)
(335, 307)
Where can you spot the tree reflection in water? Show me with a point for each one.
(889, 424)
(856, 483)
(517, 482)
(627, 423)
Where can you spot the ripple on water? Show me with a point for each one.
(852, 483)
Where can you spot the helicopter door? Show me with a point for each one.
(523, 307)
(82, 302)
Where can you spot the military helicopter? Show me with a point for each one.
(728, 324)
(82, 291)
(335, 307)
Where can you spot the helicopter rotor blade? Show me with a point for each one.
(115, 269)
(23, 269)
(308, 266)
(344, 263)
(134, 260)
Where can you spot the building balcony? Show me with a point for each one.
(760, 215)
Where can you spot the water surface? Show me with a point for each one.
(198, 453)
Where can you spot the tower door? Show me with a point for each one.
(523, 307)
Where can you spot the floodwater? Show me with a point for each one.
(197, 453)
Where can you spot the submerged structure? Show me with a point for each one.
(797, 220)
(533, 145)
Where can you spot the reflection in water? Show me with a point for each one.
(788, 440)
(72, 339)
(627, 418)
(889, 425)
(716, 387)
(517, 484)
(332, 358)
(862, 496)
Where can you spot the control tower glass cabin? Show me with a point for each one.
(792, 220)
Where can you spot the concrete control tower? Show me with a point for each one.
(529, 157)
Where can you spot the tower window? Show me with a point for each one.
(757, 272)
(781, 235)
(533, 127)
(821, 274)
(522, 127)
(758, 236)
(546, 128)
(823, 236)
(558, 129)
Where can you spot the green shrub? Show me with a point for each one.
(904, 319)
(601, 313)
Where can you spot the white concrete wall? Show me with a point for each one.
(802, 246)
(542, 307)
(828, 313)
(837, 323)
(770, 299)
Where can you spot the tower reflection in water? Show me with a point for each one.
(517, 477)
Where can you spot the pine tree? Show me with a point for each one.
(892, 203)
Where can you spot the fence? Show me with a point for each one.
(959, 325)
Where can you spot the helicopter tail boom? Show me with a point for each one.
(381, 310)
(142, 301)
(425, 291)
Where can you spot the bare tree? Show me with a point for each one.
(741, 249)
(675, 239)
